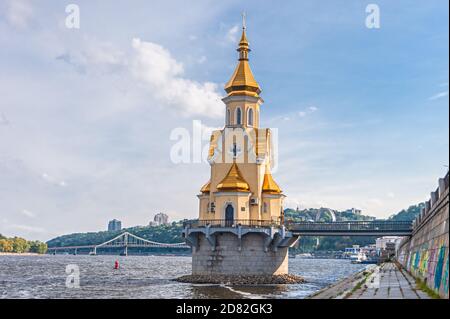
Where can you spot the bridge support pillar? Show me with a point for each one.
(239, 250)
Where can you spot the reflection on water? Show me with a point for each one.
(148, 277)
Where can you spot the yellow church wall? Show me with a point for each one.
(244, 105)
(238, 200)
(274, 204)
(203, 206)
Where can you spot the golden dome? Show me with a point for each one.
(233, 181)
(206, 188)
(269, 185)
(242, 81)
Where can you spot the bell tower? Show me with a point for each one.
(241, 206)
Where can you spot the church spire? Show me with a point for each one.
(243, 48)
(242, 81)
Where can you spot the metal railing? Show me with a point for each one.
(351, 227)
(253, 223)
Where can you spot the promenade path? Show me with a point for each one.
(389, 282)
(386, 281)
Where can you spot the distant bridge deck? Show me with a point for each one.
(351, 228)
(341, 228)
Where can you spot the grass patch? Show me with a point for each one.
(358, 285)
(421, 285)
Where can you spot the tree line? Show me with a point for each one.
(20, 245)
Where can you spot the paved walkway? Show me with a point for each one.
(388, 282)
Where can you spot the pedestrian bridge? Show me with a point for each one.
(125, 240)
(351, 228)
(341, 228)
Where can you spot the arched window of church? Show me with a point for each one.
(265, 207)
(238, 116)
(250, 117)
(228, 117)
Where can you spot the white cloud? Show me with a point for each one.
(94, 55)
(201, 60)
(438, 96)
(28, 213)
(18, 13)
(3, 119)
(310, 110)
(232, 34)
(163, 77)
(52, 180)
(26, 228)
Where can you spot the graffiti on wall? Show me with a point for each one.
(430, 263)
(438, 273)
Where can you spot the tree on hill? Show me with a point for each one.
(409, 214)
(20, 245)
(38, 247)
(5, 245)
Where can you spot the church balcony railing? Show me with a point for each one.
(253, 223)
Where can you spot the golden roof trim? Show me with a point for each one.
(269, 184)
(206, 188)
(233, 181)
(242, 81)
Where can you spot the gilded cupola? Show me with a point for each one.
(242, 81)
(233, 181)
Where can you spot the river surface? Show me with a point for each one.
(148, 277)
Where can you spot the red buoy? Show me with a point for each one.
(116, 265)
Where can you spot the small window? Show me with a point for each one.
(238, 116)
(250, 117)
(228, 117)
(265, 208)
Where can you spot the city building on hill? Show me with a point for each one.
(159, 219)
(354, 211)
(114, 225)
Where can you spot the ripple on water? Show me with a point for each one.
(148, 277)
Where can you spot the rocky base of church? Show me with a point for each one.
(227, 254)
(242, 279)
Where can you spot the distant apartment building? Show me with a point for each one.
(114, 225)
(160, 219)
(387, 242)
(354, 211)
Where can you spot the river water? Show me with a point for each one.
(148, 277)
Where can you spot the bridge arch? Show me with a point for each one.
(329, 211)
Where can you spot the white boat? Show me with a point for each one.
(358, 258)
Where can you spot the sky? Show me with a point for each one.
(88, 114)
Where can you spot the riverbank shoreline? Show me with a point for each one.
(21, 254)
(338, 289)
(285, 279)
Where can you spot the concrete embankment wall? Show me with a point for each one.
(231, 257)
(425, 254)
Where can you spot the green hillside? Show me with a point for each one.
(164, 234)
(172, 233)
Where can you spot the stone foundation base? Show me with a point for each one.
(242, 279)
(230, 255)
